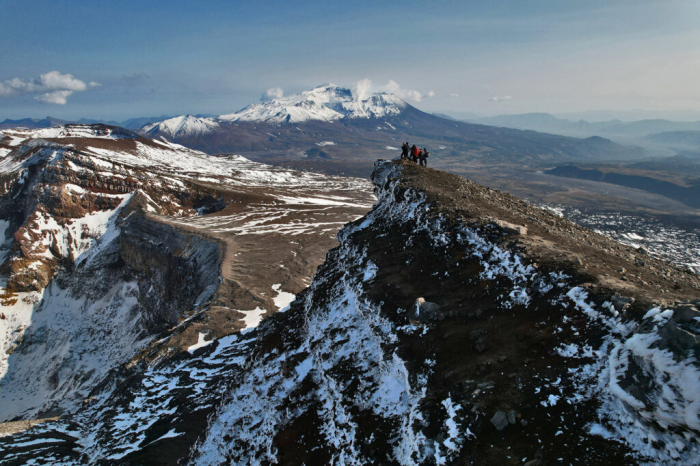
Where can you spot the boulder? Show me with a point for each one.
(619, 302)
(425, 311)
(510, 228)
(500, 420)
(686, 314)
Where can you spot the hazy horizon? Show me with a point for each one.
(131, 59)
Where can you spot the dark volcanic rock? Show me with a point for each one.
(500, 420)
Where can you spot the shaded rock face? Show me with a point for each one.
(532, 361)
(103, 310)
(177, 271)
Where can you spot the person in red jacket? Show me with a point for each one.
(414, 153)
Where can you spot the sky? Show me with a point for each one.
(118, 60)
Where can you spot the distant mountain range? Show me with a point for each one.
(548, 123)
(333, 124)
(677, 138)
(47, 122)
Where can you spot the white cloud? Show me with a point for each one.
(362, 90)
(454, 95)
(500, 99)
(55, 97)
(272, 93)
(53, 87)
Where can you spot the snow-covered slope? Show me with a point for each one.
(324, 103)
(451, 325)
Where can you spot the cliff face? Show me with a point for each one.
(453, 324)
(98, 315)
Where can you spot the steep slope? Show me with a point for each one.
(453, 324)
(352, 131)
(109, 239)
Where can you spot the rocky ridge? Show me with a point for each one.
(453, 324)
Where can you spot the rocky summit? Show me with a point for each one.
(452, 324)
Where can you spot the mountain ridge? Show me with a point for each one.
(453, 323)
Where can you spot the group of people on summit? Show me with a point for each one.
(415, 154)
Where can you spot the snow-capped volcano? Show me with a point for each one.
(182, 126)
(324, 103)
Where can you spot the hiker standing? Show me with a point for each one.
(414, 153)
(404, 150)
(424, 157)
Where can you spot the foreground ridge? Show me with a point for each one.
(536, 341)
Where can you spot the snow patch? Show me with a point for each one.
(283, 299)
(201, 342)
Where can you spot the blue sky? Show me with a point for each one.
(150, 58)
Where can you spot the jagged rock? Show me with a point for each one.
(500, 420)
(620, 302)
(512, 417)
(686, 314)
(678, 340)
